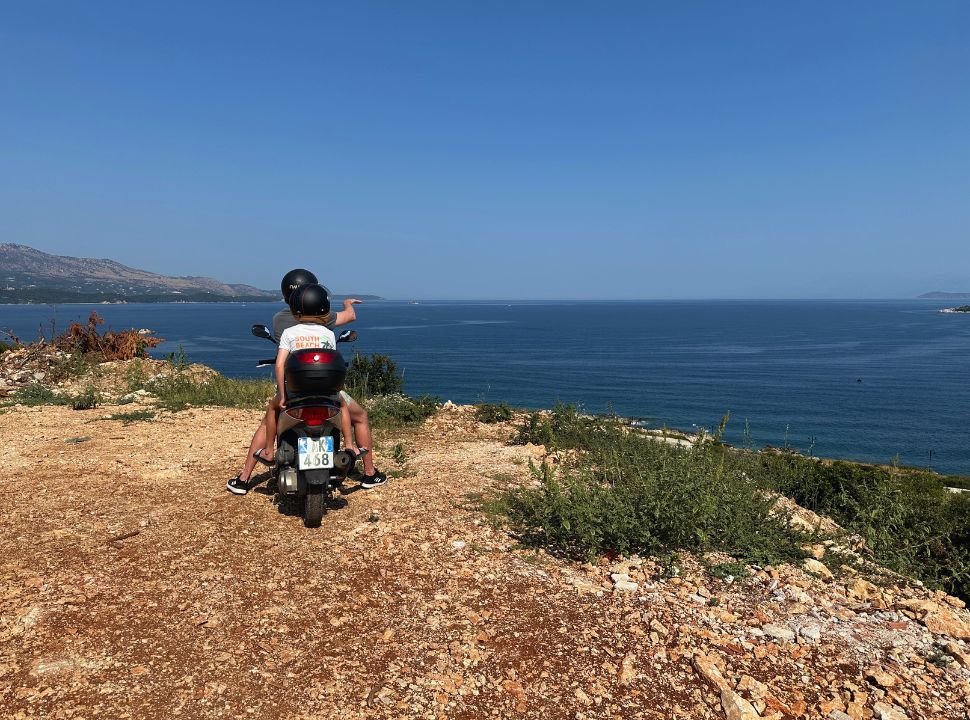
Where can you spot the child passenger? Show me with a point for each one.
(310, 306)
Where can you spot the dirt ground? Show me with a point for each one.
(132, 585)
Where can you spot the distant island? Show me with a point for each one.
(30, 276)
(938, 295)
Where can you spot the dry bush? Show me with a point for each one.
(85, 339)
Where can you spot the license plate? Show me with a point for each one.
(315, 453)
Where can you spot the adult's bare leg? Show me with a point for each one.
(362, 434)
(257, 443)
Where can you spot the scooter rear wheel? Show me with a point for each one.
(315, 506)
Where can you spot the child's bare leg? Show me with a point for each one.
(272, 410)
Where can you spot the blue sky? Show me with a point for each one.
(497, 150)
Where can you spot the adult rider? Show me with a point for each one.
(239, 485)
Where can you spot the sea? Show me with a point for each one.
(878, 381)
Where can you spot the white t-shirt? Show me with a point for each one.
(305, 335)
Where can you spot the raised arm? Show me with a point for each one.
(348, 314)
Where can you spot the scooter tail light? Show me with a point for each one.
(312, 358)
(314, 416)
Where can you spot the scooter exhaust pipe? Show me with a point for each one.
(343, 461)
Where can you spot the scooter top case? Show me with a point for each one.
(314, 372)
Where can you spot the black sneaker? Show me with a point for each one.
(372, 481)
(237, 486)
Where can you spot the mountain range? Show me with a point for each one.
(28, 275)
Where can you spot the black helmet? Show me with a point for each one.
(310, 299)
(293, 279)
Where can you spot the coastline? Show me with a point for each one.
(685, 379)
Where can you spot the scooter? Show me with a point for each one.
(309, 465)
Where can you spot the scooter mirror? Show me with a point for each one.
(262, 331)
(347, 336)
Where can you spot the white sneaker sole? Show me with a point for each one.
(235, 490)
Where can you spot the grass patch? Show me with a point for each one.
(392, 411)
(128, 418)
(502, 478)
(179, 391)
(493, 412)
(37, 394)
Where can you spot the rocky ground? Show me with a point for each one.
(132, 585)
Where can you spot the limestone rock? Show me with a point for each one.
(861, 590)
(888, 712)
(817, 568)
(623, 583)
(627, 670)
(736, 707)
(880, 677)
(779, 632)
(958, 654)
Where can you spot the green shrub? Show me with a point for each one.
(621, 492)
(493, 413)
(87, 400)
(178, 358)
(179, 391)
(956, 481)
(72, 366)
(911, 523)
(373, 375)
(563, 427)
(397, 410)
(136, 376)
(4, 346)
(624, 493)
(535, 429)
